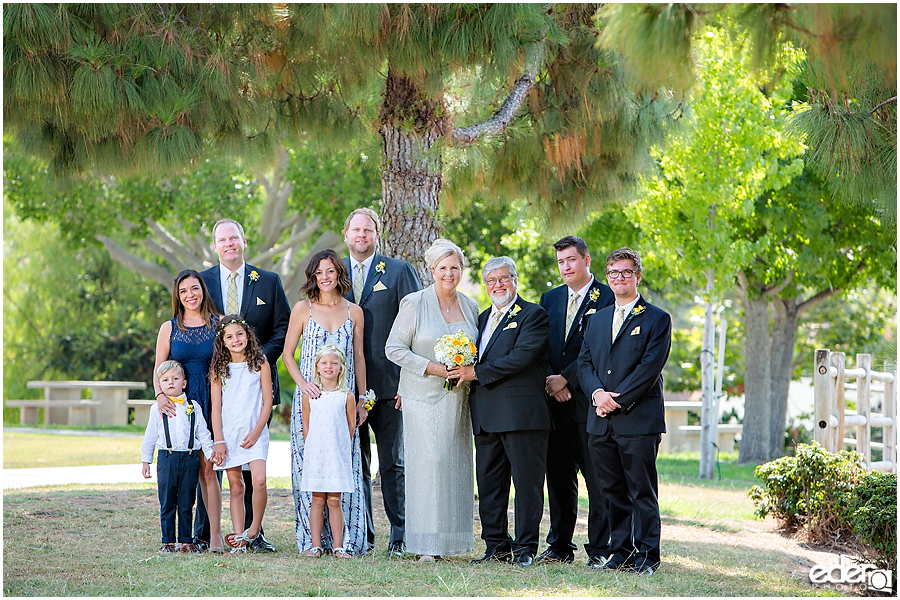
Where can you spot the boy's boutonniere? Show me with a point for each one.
(254, 275)
(189, 409)
(637, 310)
(595, 293)
(380, 267)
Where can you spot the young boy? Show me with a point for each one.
(178, 462)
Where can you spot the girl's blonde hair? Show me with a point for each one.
(330, 349)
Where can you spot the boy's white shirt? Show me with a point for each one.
(179, 432)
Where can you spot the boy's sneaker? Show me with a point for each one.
(167, 548)
(193, 548)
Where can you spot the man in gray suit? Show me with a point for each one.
(379, 283)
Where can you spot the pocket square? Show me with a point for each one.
(378, 287)
(259, 302)
(512, 325)
(636, 330)
(590, 312)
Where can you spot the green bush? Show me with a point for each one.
(833, 499)
(873, 516)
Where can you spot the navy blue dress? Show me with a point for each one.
(193, 348)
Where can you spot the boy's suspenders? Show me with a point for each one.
(169, 437)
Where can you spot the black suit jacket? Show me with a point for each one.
(380, 306)
(509, 394)
(563, 352)
(264, 306)
(631, 366)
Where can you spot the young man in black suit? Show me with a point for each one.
(379, 283)
(621, 361)
(510, 417)
(238, 288)
(570, 307)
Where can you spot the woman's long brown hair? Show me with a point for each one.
(207, 308)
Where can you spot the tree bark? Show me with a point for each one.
(756, 435)
(410, 171)
(707, 413)
(784, 332)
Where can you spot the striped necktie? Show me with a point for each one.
(570, 314)
(617, 322)
(232, 306)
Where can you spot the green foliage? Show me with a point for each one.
(873, 516)
(812, 490)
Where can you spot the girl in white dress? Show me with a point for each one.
(241, 401)
(329, 422)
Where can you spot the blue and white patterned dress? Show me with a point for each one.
(353, 503)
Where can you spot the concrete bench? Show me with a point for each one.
(79, 411)
(142, 410)
(110, 396)
(726, 435)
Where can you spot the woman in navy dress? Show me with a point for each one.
(188, 338)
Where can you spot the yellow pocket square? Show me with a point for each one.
(512, 325)
(378, 287)
(590, 312)
(259, 302)
(636, 330)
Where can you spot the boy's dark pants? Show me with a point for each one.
(176, 477)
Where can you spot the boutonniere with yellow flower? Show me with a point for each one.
(380, 267)
(637, 310)
(189, 409)
(514, 311)
(254, 275)
(595, 293)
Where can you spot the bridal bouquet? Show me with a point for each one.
(455, 350)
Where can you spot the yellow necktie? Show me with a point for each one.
(358, 283)
(570, 314)
(232, 307)
(617, 321)
(494, 322)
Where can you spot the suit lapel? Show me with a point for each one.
(373, 278)
(482, 323)
(585, 306)
(630, 317)
(215, 289)
(349, 265)
(249, 288)
(504, 321)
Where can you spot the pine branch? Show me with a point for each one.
(888, 101)
(151, 271)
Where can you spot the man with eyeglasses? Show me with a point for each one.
(510, 417)
(625, 348)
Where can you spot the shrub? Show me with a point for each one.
(810, 490)
(873, 516)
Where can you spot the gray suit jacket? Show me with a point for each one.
(380, 302)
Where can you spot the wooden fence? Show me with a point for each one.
(833, 383)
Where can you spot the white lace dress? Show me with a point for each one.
(241, 406)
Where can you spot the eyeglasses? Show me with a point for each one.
(492, 281)
(627, 274)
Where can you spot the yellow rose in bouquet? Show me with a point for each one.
(455, 350)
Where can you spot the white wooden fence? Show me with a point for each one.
(833, 383)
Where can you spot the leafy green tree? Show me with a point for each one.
(849, 117)
(123, 88)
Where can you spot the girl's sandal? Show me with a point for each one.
(312, 552)
(235, 540)
(341, 553)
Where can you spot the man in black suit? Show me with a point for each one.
(238, 288)
(570, 307)
(510, 417)
(621, 361)
(379, 283)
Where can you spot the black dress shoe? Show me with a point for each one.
(396, 550)
(260, 544)
(202, 545)
(523, 560)
(492, 555)
(616, 562)
(597, 562)
(644, 567)
(552, 556)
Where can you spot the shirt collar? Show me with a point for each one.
(628, 307)
(367, 264)
(583, 291)
(225, 271)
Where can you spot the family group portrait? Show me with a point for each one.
(454, 299)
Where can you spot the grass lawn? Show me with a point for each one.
(101, 540)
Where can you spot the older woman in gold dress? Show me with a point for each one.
(437, 428)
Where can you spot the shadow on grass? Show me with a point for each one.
(103, 540)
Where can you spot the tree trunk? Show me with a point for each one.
(707, 413)
(756, 436)
(784, 333)
(411, 170)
